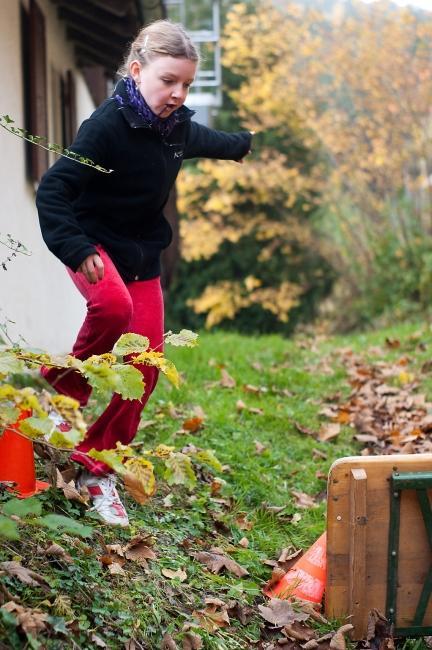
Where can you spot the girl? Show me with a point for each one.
(109, 229)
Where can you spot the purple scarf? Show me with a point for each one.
(138, 104)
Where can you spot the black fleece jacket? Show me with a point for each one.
(80, 207)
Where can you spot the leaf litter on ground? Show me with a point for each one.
(380, 390)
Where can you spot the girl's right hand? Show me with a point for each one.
(92, 268)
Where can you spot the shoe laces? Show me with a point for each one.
(109, 494)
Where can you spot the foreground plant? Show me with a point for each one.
(7, 123)
(26, 410)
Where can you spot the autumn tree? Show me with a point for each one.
(342, 164)
(246, 236)
(361, 84)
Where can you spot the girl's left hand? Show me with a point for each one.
(241, 161)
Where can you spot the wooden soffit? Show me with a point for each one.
(102, 29)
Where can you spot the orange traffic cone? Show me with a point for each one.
(306, 579)
(17, 461)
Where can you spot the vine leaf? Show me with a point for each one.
(6, 121)
(35, 427)
(139, 479)
(8, 528)
(131, 344)
(101, 376)
(185, 338)
(131, 383)
(162, 451)
(22, 507)
(179, 470)
(207, 457)
(68, 439)
(152, 358)
(9, 364)
(62, 524)
(69, 409)
(110, 457)
(8, 416)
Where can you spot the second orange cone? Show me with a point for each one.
(17, 461)
(306, 579)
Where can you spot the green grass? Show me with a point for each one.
(84, 599)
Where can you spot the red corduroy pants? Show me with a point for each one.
(113, 308)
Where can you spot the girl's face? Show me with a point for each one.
(164, 83)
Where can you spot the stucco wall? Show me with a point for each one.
(35, 291)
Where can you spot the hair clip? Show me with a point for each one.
(143, 50)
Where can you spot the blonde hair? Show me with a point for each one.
(160, 38)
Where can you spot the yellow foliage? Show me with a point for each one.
(219, 301)
(239, 203)
(139, 479)
(69, 409)
(226, 299)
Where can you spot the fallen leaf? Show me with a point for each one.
(259, 447)
(288, 554)
(298, 632)
(140, 486)
(58, 551)
(140, 554)
(281, 612)
(192, 641)
(70, 491)
(99, 643)
(378, 626)
(273, 509)
(116, 570)
(32, 621)
(217, 602)
(211, 618)
(255, 411)
(306, 430)
(144, 424)
(317, 453)
(168, 643)
(277, 575)
(329, 412)
(343, 416)
(226, 380)
(217, 561)
(27, 576)
(242, 522)
(257, 390)
(179, 574)
(303, 500)
(311, 609)
(193, 424)
(392, 343)
(338, 641)
(240, 405)
(242, 612)
(365, 437)
(329, 431)
(244, 542)
(216, 485)
(198, 411)
(118, 549)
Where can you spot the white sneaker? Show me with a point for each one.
(104, 495)
(59, 423)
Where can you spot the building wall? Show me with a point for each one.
(35, 291)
